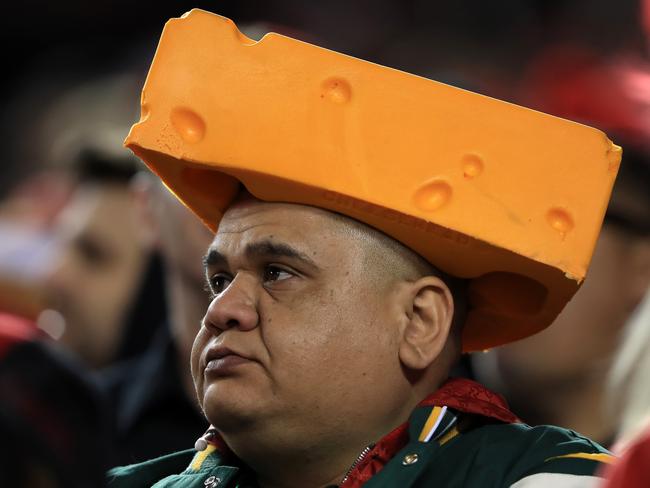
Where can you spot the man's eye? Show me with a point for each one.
(218, 283)
(273, 273)
(92, 252)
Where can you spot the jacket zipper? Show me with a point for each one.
(356, 462)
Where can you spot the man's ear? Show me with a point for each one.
(428, 325)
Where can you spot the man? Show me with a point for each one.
(322, 339)
(52, 420)
(324, 354)
(93, 282)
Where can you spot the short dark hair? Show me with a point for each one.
(413, 266)
(95, 166)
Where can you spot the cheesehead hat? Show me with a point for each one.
(507, 197)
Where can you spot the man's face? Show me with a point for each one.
(94, 281)
(297, 331)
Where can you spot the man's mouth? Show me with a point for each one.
(222, 361)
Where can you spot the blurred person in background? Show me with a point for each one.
(93, 284)
(629, 384)
(629, 379)
(52, 421)
(152, 396)
(632, 469)
(100, 286)
(47, 124)
(103, 286)
(559, 375)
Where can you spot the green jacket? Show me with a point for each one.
(439, 447)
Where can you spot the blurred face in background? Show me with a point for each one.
(577, 349)
(95, 278)
(587, 330)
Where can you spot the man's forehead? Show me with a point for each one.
(254, 228)
(248, 213)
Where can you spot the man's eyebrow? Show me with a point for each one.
(213, 257)
(265, 248)
(268, 248)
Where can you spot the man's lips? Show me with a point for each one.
(221, 361)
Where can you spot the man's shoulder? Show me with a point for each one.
(519, 455)
(149, 472)
(552, 456)
(498, 455)
(543, 443)
(184, 469)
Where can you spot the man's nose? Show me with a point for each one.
(236, 306)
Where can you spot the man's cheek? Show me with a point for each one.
(195, 355)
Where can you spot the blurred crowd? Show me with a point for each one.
(101, 280)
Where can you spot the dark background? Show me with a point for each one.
(477, 44)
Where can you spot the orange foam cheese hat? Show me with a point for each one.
(508, 197)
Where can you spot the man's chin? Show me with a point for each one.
(228, 410)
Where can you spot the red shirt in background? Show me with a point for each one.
(15, 329)
(632, 470)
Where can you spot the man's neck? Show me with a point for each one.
(309, 467)
(314, 459)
